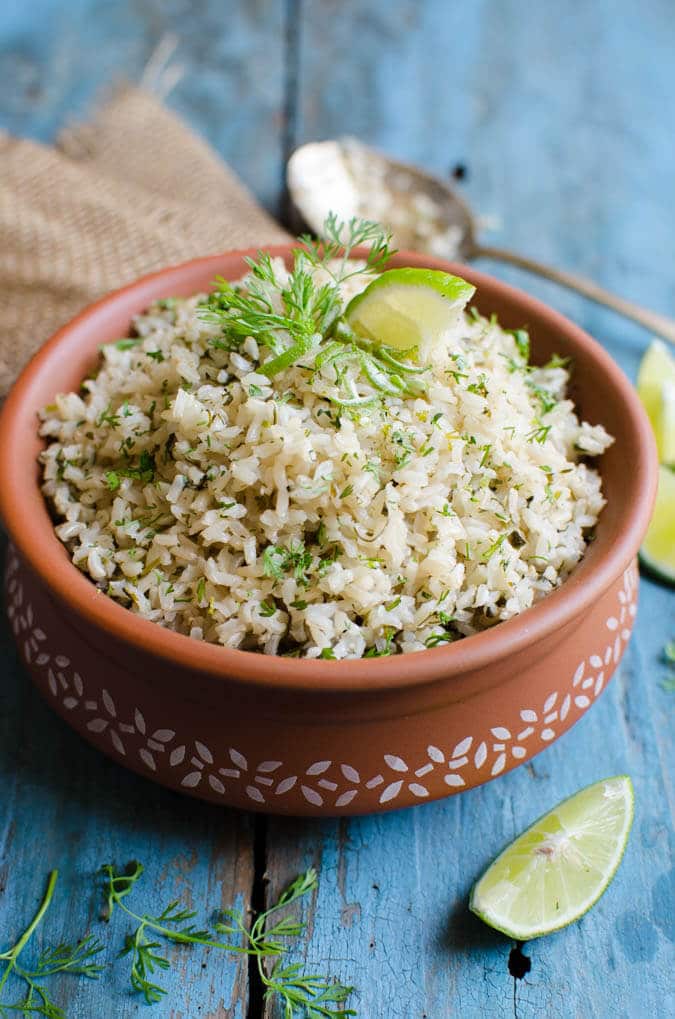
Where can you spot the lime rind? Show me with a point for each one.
(656, 389)
(667, 423)
(554, 872)
(658, 548)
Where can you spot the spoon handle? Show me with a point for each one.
(651, 320)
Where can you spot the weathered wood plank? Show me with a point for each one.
(556, 118)
(56, 58)
(65, 806)
(391, 915)
(559, 119)
(555, 115)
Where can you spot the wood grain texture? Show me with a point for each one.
(65, 806)
(56, 59)
(555, 116)
(561, 118)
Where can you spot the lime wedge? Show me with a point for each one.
(667, 447)
(658, 548)
(656, 389)
(554, 872)
(402, 308)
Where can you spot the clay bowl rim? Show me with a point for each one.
(30, 528)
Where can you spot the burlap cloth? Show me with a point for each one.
(129, 192)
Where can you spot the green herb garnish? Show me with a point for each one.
(546, 399)
(340, 239)
(106, 417)
(557, 362)
(299, 994)
(436, 639)
(521, 338)
(480, 387)
(309, 330)
(539, 434)
(279, 561)
(488, 554)
(76, 958)
(386, 650)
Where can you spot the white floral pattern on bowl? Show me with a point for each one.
(324, 784)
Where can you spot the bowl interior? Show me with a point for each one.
(599, 389)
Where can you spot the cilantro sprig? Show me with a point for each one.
(171, 925)
(300, 320)
(338, 242)
(301, 995)
(76, 958)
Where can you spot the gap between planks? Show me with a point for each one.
(257, 1008)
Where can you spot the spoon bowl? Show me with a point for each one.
(352, 179)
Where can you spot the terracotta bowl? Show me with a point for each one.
(320, 737)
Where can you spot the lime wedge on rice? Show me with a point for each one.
(401, 308)
(656, 389)
(658, 548)
(553, 873)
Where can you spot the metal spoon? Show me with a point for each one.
(349, 178)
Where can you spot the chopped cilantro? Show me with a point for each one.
(546, 399)
(383, 652)
(480, 387)
(521, 339)
(488, 554)
(278, 561)
(539, 434)
(435, 639)
(106, 417)
(557, 362)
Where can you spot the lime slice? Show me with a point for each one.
(402, 308)
(658, 548)
(656, 389)
(554, 872)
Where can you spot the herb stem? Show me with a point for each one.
(13, 953)
(150, 923)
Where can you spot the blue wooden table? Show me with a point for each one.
(560, 119)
